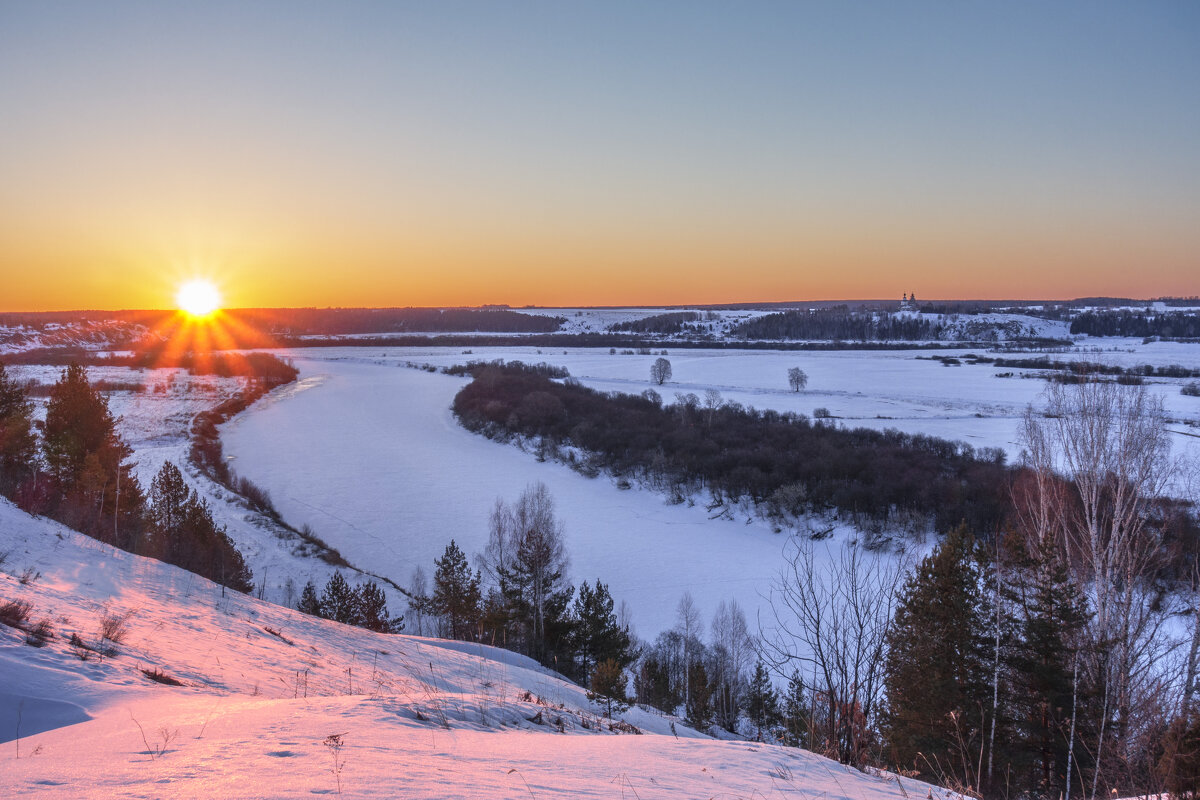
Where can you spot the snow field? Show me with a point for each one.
(265, 687)
(371, 457)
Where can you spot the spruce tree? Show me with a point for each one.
(936, 672)
(309, 602)
(762, 704)
(1043, 679)
(797, 715)
(456, 595)
(372, 610)
(339, 602)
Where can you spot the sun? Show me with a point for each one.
(198, 298)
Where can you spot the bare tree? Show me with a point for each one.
(1110, 444)
(418, 599)
(712, 401)
(660, 371)
(688, 624)
(797, 379)
(526, 558)
(732, 652)
(830, 614)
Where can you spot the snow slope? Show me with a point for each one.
(264, 689)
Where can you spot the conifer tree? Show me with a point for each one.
(528, 560)
(797, 715)
(936, 672)
(608, 684)
(309, 602)
(184, 533)
(18, 445)
(86, 459)
(169, 496)
(597, 635)
(762, 704)
(652, 682)
(456, 595)
(1044, 677)
(699, 702)
(372, 610)
(339, 602)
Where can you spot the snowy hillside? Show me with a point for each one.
(276, 704)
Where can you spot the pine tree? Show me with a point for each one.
(762, 704)
(936, 673)
(169, 497)
(797, 715)
(184, 533)
(339, 602)
(18, 445)
(608, 684)
(456, 594)
(597, 635)
(86, 459)
(309, 602)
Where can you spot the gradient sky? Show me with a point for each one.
(444, 153)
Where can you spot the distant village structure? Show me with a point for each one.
(909, 302)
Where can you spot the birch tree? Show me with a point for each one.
(830, 611)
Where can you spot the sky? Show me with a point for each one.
(549, 153)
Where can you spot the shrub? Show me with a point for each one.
(39, 633)
(15, 613)
(158, 676)
(114, 626)
(1191, 389)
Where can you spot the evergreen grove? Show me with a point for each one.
(78, 472)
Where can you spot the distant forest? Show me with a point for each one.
(1174, 325)
(784, 462)
(668, 323)
(342, 321)
(314, 321)
(838, 323)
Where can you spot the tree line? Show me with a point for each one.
(1171, 325)
(75, 468)
(1055, 660)
(838, 323)
(671, 322)
(785, 463)
(347, 321)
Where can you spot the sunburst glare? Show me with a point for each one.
(199, 298)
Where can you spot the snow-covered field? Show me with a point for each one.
(367, 453)
(265, 688)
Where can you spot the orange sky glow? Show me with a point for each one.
(384, 155)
